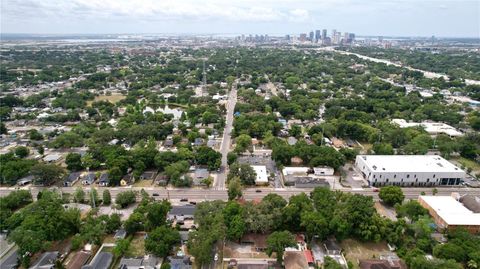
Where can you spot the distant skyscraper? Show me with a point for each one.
(311, 36)
(317, 35)
(303, 37)
(287, 37)
(334, 33)
(324, 34)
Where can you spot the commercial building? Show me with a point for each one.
(432, 128)
(408, 170)
(450, 214)
(261, 172)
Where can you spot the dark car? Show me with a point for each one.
(193, 203)
(258, 190)
(155, 194)
(184, 200)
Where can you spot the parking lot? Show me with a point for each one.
(264, 159)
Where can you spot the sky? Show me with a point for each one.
(442, 18)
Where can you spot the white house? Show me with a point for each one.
(408, 170)
(262, 177)
(432, 128)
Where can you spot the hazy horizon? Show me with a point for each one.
(399, 18)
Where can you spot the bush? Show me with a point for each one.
(125, 199)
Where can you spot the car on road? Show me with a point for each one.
(184, 200)
(258, 190)
(375, 189)
(193, 203)
(155, 194)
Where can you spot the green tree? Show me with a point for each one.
(330, 263)
(242, 143)
(411, 209)
(35, 135)
(157, 213)
(47, 174)
(121, 247)
(161, 240)
(79, 195)
(383, 149)
(277, 242)
(125, 198)
(244, 172)
(22, 152)
(107, 198)
(234, 188)
(74, 161)
(315, 225)
(391, 195)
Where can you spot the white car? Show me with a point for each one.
(216, 257)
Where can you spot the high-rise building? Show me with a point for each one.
(317, 35)
(311, 36)
(303, 37)
(324, 34)
(334, 33)
(287, 37)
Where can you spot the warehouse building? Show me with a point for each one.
(450, 214)
(408, 170)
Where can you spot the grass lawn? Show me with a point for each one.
(137, 246)
(467, 163)
(114, 98)
(356, 250)
(143, 183)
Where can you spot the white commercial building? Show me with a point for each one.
(262, 177)
(433, 128)
(449, 213)
(408, 170)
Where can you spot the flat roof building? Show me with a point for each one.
(408, 170)
(450, 214)
(261, 172)
(433, 128)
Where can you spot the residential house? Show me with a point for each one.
(46, 261)
(147, 262)
(101, 261)
(127, 180)
(89, 179)
(103, 181)
(120, 234)
(148, 175)
(161, 179)
(71, 179)
(25, 181)
(180, 262)
(182, 212)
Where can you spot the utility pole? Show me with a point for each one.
(204, 80)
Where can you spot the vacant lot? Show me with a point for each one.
(110, 98)
(234, 250)
(137, 246)
(355, 250)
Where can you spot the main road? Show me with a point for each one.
(198, 194)
(219, 183)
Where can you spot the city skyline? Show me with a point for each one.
(441, 18)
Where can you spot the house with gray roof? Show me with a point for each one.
(46, 261)
(101, 261)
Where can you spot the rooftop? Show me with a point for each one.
(430, 127)
(451, 210)
(409, 163)
(261, 172)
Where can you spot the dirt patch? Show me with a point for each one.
(234, 250)
(386, 211)
(355, 250)
(114, 98)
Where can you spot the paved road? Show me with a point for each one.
(427, 74)
(227, 138)
(194, 194)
